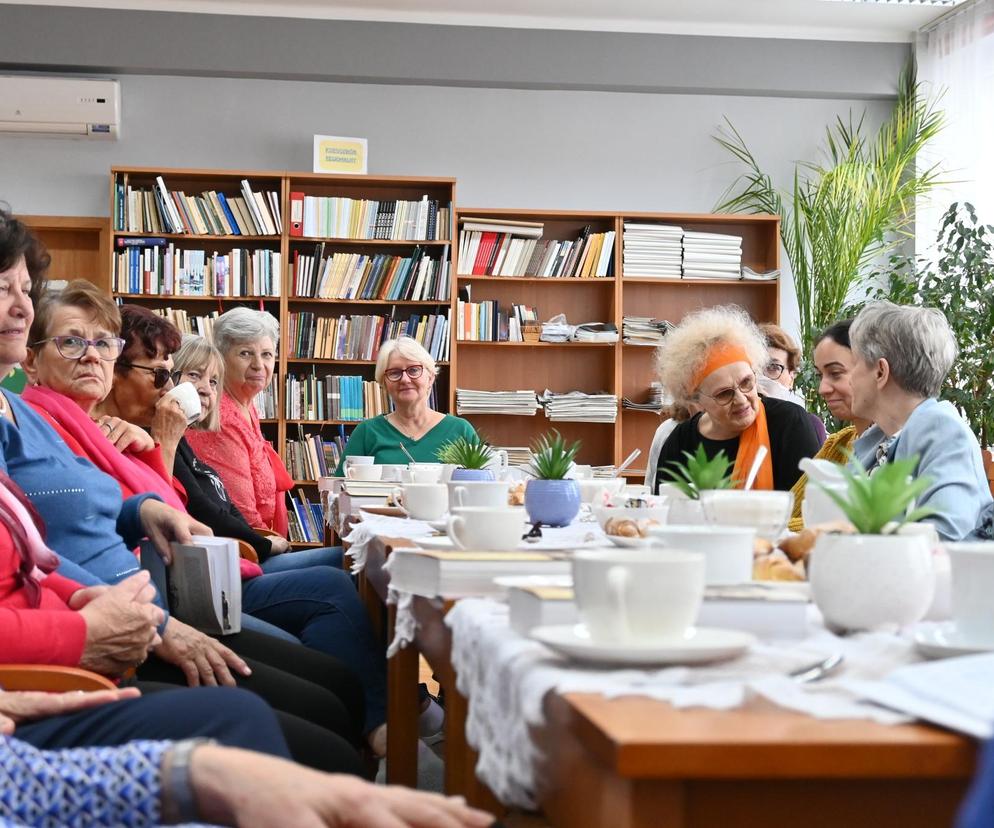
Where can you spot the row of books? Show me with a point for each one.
(667, 251)
(359, 218)
(265, 402)
(313, 456)
(358, 337)
(486, 322)
(344, 275)
(157, 209)
(186, 323)
(332, 397)
(305, 518)
(150, 266)
(502, 254)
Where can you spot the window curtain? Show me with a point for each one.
(955, 59)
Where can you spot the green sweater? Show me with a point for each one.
(375, 437)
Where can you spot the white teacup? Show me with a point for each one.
(422, 501)
(590, 490)
(424, 473)
(818, 506)
(360, 460)
(727, 550)
(187, 396)
(973, 588)
(498, 460)
(581, 471)
(638, 596)
(477, 493)
(766, 511)
(363, 472)
(486, 527)
(393, 472)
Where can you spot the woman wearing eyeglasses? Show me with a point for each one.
(711, 359)
(407, 372)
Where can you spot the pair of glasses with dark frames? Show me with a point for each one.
(396, 374)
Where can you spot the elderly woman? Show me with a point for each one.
(90, 525)
(711, 359)
(251, 470)
(407, 372)
(902, 357)
(834, 360)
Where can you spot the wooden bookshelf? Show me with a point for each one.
(79, 246)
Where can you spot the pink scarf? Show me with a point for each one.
(128, 471)
(23, 523)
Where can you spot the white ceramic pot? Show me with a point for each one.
(864, 582)
(685, 512)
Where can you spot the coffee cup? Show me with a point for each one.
(393, 472)
(422, 501)
(360, 460)
(973, 586)
(489, 528)
(581, 471)
(477, 493)
(638, 596)
(188, 397)
(727, 550)
(364, 472)
(766, 511)
(593, 489)
(424, 473)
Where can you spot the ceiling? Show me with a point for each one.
(803, 19)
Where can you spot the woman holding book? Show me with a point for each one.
(407, 372)
(711, 359)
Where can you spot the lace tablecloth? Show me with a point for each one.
(506, 678)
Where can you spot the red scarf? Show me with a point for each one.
(26, 530)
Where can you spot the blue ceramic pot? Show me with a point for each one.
(552, 502)
(472, 474)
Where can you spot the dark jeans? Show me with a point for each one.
(231, 716)
(320, 605)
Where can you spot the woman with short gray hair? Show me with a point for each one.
(903, 355)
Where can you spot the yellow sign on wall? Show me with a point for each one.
(335, 154)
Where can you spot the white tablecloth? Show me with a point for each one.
(506, 678)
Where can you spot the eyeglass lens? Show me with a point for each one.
(726, 396)
(413, 371)
(73, 347)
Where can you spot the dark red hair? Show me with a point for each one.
(149, 331)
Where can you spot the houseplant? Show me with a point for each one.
(470, 456)
(550, 498)
(882, 574)
(684, 482)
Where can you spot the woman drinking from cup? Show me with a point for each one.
(711, 359)
(902, 356)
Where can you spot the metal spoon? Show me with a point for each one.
(756, 464)
(818, 670)
(403, 448)
(627, 462)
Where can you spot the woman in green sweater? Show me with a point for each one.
(408, 372)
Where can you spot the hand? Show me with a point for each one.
(124, 435)
(201, 658)
(168, 422)
(238, 787)
(163, 524)
(81, 597)
(17, 707)
(279, 545)
(120, 626)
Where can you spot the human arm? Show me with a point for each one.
(202, 659)
(126, 436)
(164, 524)
(27, 706)
(167, 427)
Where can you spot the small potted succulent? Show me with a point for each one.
(882, 574)
(684, 483)
(551, 498)
(470, 456)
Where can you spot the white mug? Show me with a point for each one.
(487, 528)
(189, 400)
(360, 460)
(591, 489)
(422, 501)
(638, 596)
(424, 473)
(477, 493)
(498, 460)
(727, 550)
(364, 472)
(393, 472)
(973, 588)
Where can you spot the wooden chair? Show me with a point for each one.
(989, 468)
(247, 552)
(51, 679)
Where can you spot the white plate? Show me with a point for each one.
(439, 525)
(442, 543)
(702, 645)
(628, 543)
(943, 641)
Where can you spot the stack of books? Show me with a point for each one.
(652, 250)
(265, 402)
(519, 403)
(497, 247)
(656, 401)
(595, 332)
(644, 330)
(354, 218)
(517, 455)
(578, 407)
(309, 397)
(751, 275)
(486, 321)
(456, 574)
(312, 456)
(185, 323)
(712, 256)
(345, 275)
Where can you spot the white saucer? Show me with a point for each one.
(439, 525)
(443, 543)
(703, 644)
(628, 543)
(943, 641)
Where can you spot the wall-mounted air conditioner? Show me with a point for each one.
(59, 106)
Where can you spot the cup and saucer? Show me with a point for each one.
(479, 528)
(637, 609)
(944, 640)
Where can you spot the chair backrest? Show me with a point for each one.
(51, 679)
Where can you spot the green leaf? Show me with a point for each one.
(552, 457)
(469, 453)
(699, 474)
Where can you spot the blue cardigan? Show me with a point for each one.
(949, 454)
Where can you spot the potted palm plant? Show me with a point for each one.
(470, 456)
(883, 573)
(551, 498)
(685, 482)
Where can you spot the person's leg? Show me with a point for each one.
(259, 626)
(325, 556)
(233, 717)
(321, 607)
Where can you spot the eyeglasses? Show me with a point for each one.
(73, 347)
(727, 395)
(412, 371)
(774, 370)
(160, 376)
(194, 377)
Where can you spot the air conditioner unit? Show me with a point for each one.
(59, 106)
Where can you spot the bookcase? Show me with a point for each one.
(79, 246)
(615, 368)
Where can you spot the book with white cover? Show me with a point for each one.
(432, 573)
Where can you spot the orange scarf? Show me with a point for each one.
(749, 441)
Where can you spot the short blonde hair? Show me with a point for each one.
(405, 346)
(197, 354)
(685, 349)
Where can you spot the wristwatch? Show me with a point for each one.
(177, 799)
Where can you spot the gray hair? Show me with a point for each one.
(916, 342)
(244, 325)
(198, 354)
(407, 347)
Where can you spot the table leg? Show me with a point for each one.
(402, 713)
(460, 758)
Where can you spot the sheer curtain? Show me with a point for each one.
(956, 58)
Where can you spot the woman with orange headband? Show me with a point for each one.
(710, 359)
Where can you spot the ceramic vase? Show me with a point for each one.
(552, 502)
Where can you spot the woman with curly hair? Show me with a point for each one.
(710, 360)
